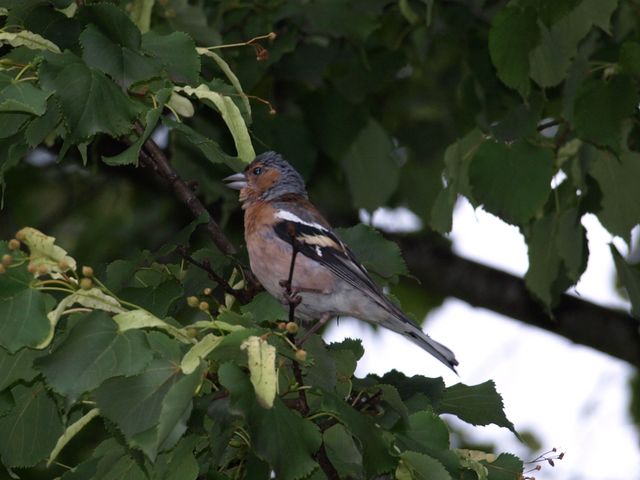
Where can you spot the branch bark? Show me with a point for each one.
(608, 330)
(161, 164)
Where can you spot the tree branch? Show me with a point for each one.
(162, 166)
(608, 330)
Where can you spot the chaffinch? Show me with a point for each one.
(327, 279)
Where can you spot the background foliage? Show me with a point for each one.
(406, 103)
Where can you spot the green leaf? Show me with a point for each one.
(514, 33)
(231, 116)
(23, 97)
(210, 149)
(343, 452)
(198, 352)
(18, 366)
(94, 351)
(178, 464)
(24, 319)
(519, 122)
(630, 279)
(511, 181)
(31, 428)
(599, 108)
(148, 407)
(630, 57)
(265, 308)
(477, 404)
(369, 160)
(81, 92)
(41, 127)
(262, 369)
(275, 430)
(376, 253)
(130, 155)
(177, 53)
(157, 300)
(428, 432)
(557, 254)
(376, 454)
(620, 205)
(143, 319)
(505, 467)
(418, 466)
(550, 60)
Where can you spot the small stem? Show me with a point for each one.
(56, 289)
(268, 36)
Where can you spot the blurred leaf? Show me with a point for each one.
(24, 319)
(374, 251)
(559, 42)
(620, 206)
(630, 278)
(141, 14)
(630, 57)
(70, 432)
(369, 161)
(31, 428)
(94, 351)
(519, 122)
(478, 404)
(599, 108)
(514, 33)
(511, 181)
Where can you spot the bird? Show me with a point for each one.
(327, 280)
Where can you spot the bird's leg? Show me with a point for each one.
(293, 299)
(314, 328)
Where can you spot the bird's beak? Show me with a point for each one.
(237, 181)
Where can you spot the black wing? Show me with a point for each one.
(323, 246)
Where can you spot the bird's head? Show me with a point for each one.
(268, 177)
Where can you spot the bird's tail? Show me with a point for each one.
(407, 328)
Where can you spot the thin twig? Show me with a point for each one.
(243, 296)
(162, 166)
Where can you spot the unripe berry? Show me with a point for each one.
(20, 235)
(14, 244)
(204, 306)
(7, 259)
(301, 355)
(192, 301)
(292, 327)
(282, 325)
(207, 291)
(3, 269)
(63, 265)
(43, 269)
(192, 332)
(86, 283)
(32, 268)
(87, 271)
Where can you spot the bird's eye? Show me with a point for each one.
(257, 170)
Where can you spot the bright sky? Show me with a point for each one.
(571, 397)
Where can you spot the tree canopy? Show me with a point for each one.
(134, 341)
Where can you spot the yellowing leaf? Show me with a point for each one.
(28, 39)
(71, 432)
(143, 319)
(44, 251)
(224, 66)
(200, 350)
(94, 298)
(231, 116)
(181, 105)
(262, 369)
